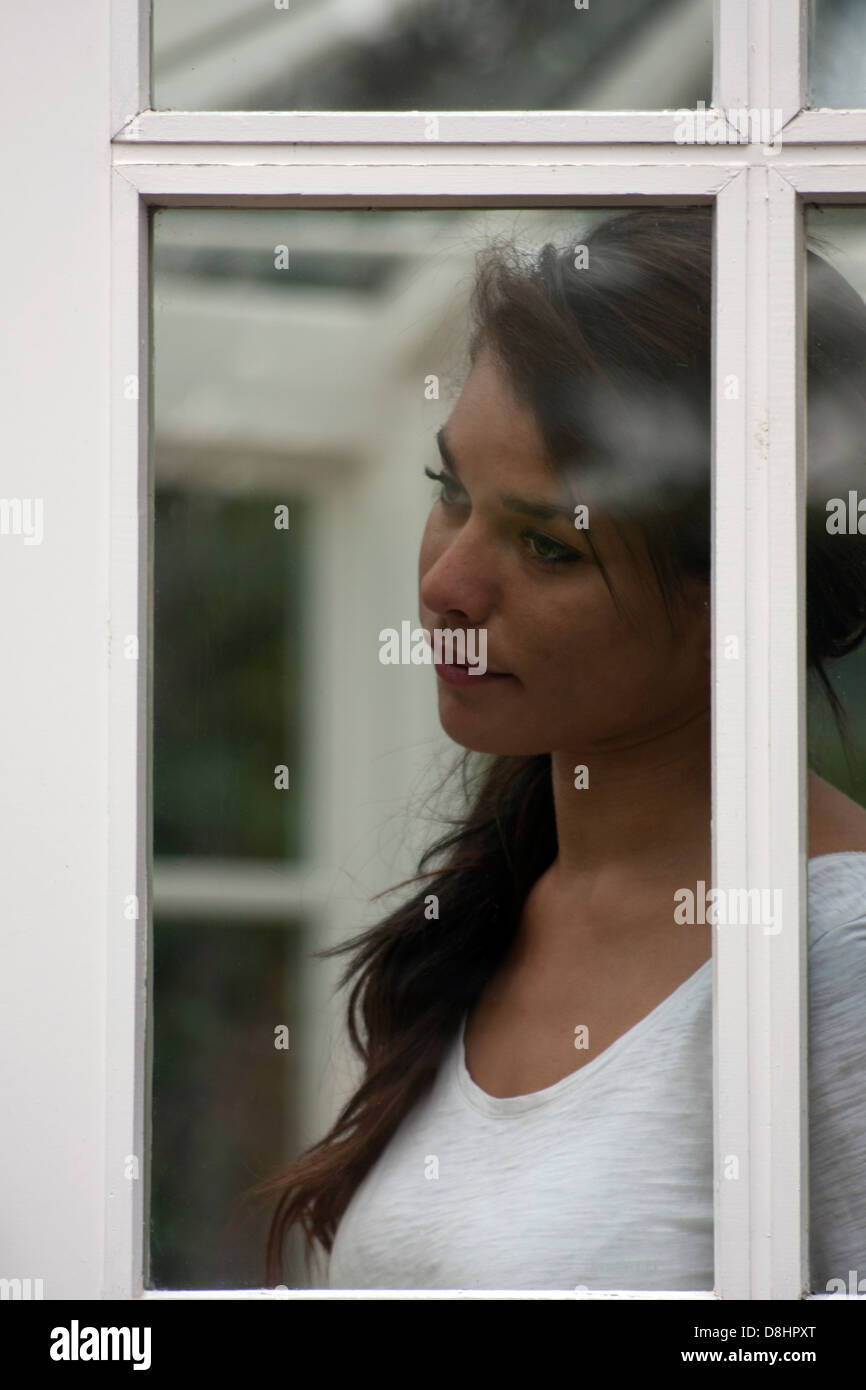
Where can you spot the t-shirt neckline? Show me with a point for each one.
(575, 1080)
(581, 1076)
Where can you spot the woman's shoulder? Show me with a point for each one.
(837, 896)
(837, 867)
(837, 823)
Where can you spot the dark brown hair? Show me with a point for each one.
(610, 345)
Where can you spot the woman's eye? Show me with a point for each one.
(450, 490)
(542, 548)
(546, 549)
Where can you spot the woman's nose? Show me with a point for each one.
(460, 578)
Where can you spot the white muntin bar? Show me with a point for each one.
(823, 128)
(731, 53)
(830, 183)
(415, 181)
(779, 977)
(776, 33)
(427, 129)
(758, 737)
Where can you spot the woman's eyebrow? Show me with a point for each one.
(545, 511)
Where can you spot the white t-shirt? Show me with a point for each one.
(605, 1179)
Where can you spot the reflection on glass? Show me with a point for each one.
(532, 1106)
(837, 53)
(227, 1101)
(227, 655)
(445, 55)
(292, 357)
(836, 629)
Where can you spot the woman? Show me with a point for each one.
(535, 1022)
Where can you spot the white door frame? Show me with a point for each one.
(80, 182)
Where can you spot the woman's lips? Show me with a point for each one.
(453, 674)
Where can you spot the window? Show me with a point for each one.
(82, 898)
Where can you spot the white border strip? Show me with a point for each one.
(778, 976)
(777, 35)
(788, 1175)
(731, 54)
(422, 1295)
(253, 185)
(424, 128)
(759, 743)
(129, 31)
(822, 127)
(127, 910)
(730, 760)
(829, 183)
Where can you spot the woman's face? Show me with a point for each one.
(573, 673)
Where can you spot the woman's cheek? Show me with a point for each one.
(433, 546)
(427, 555)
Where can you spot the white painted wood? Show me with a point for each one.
(407, 1295)
(471, 185)
(825, 157)
(834, 169)
(284, 161)
(731, 54)
(758, 735)
(130, 60)
(127, 1001)
(423, 1295)
(778, 32)
(836, 183)
(399, 128)
(730, 735)
(760, 59)
(782, 960)
(73, 1010)
(822, 128)
(56, 383)
(760, 1225)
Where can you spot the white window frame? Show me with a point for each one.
(87, 992)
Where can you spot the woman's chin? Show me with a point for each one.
(478, 736)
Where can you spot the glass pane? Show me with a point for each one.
(533, 1106)
(836, 627)
(227, 684)
(227, 1089)
(837, 53)
(429, 55)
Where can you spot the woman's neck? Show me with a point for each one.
(637, 810)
